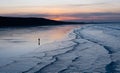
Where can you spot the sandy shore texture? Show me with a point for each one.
(92, 49)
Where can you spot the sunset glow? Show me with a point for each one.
(65, 18)
(61, 9)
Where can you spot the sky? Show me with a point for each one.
(67, 10)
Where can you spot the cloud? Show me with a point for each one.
(92, 4)
(25, 15)
(93, 14)
(105, 16)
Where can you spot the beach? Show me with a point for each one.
(93, 48)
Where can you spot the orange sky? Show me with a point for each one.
(58, 9)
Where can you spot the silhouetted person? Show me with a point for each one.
(38, 41)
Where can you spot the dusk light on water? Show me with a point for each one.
(59, 36)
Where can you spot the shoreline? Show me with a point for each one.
(87, 51)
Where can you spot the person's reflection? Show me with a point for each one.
(38, 41)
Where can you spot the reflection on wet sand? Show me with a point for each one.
(18, 41)
(55, 34)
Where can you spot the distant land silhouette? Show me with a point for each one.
(30, 21)
(33, 21)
